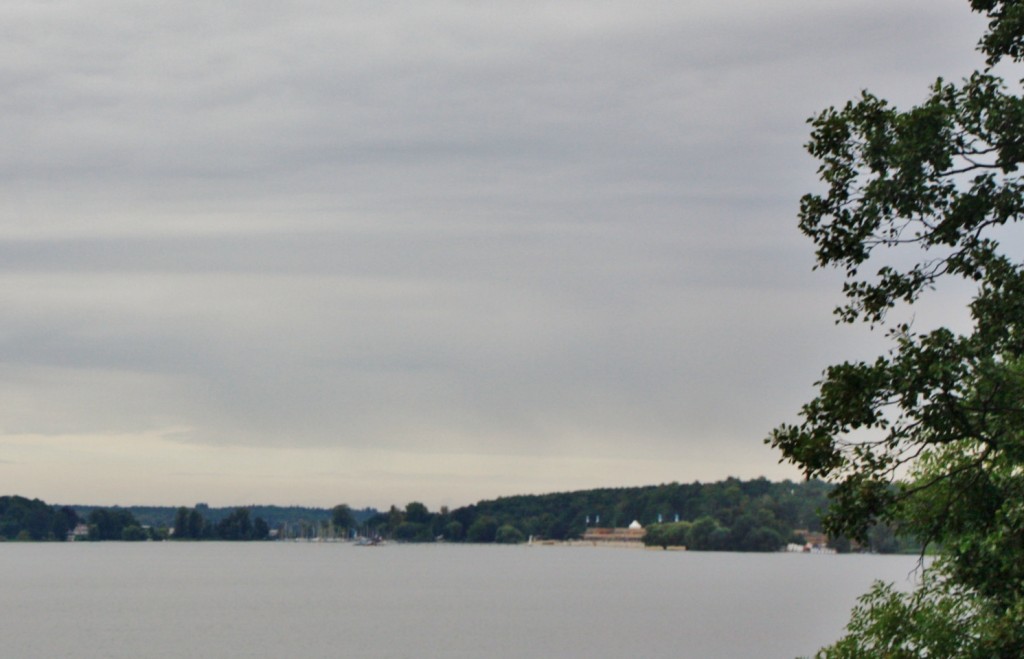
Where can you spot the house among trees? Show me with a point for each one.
(80, 532)
(633, 535)
(814, 543)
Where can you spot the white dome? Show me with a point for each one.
(635, 525)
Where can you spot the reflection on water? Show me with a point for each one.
(331, 600)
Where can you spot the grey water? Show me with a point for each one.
(337, 600)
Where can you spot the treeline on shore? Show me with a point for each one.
(729, 515)
(34, 520)
(753, 515)
(290, 521)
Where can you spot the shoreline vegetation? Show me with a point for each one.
(729, 515)
(927, 435)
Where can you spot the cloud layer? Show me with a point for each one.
(408, 243)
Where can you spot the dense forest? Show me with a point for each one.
(729, 515)
(755, 515)
(297, 520)
(31, 519)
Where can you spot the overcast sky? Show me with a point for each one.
(375, 252)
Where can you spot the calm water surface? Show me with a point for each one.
(336, 600)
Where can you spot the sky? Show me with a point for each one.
(378, 252)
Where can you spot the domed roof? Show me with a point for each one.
(635, 525)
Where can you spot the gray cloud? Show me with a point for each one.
(554, 229)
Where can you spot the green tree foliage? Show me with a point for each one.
(417, 523)
(342, 518)
(134, 533)
(706, 534)
(35, 520)
(755, 531)
(190, 524)
(413, 524)
(755, 515)
(197, 526)
(413, 532)
(285, 518)
(913, 199)
(484, 529)
(452, 531)
(65, 520)
(110, 523)
(508, 535)
(260, 529)
(32, 519)
(236, 526)
(394, 518)
(673, 534)
(180, 527)
(417, 513)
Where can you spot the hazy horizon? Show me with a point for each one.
(375, 253)
(380, 507)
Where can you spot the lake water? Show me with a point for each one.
(337, 600)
